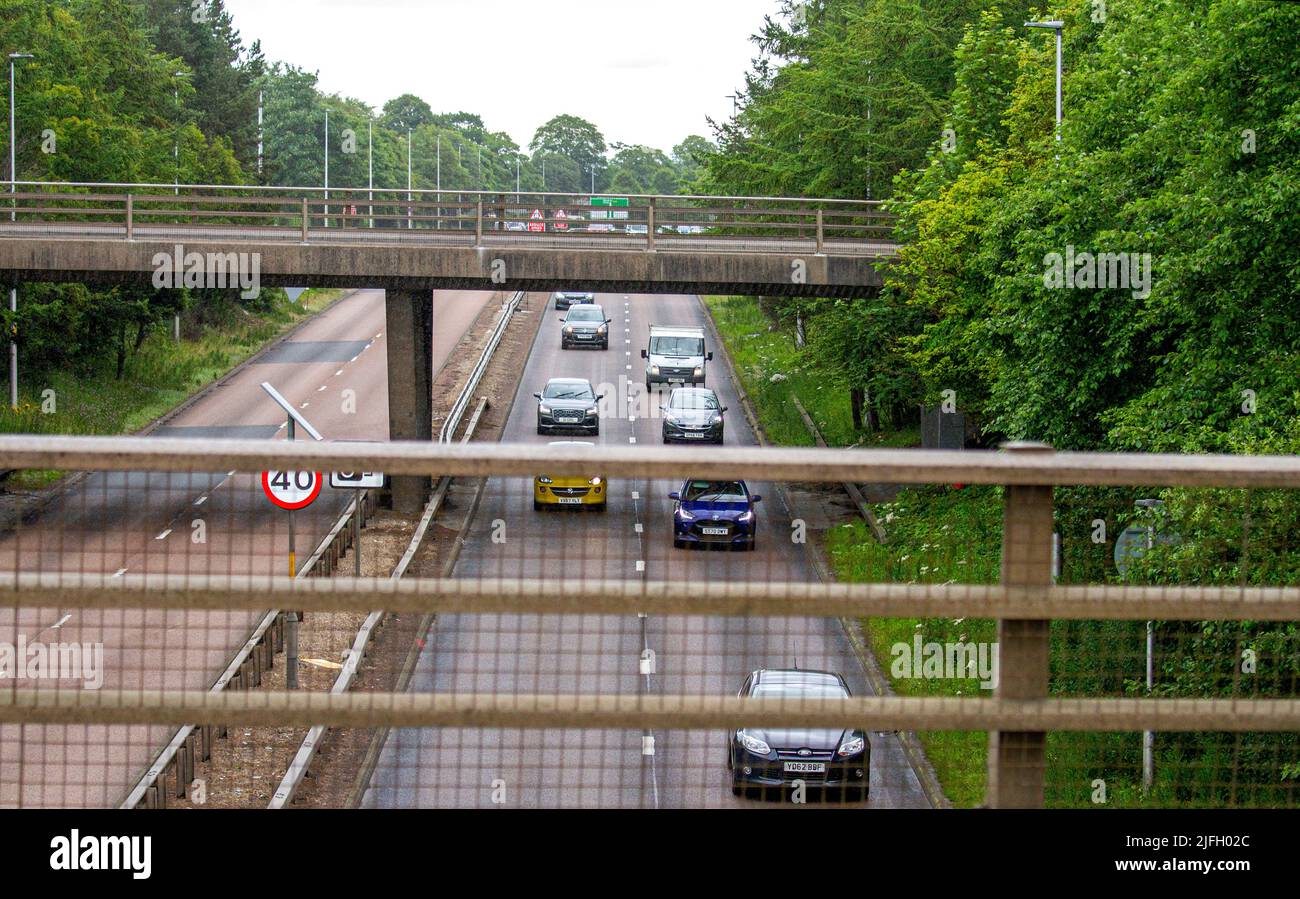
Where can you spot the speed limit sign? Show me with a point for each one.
(291, 489)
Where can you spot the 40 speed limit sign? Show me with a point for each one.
(291, 489)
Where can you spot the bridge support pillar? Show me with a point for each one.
(409, 329)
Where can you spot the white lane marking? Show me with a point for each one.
(638, 528)
(648, 744)
(119, 572)
(163, 535)
(629, 368)
(319, 389)
(305, 405)
(353, 359)
(229, 474)
(201, 500)
(379, 335)
(58, 624)
(631, 440)
(339, 372)
(636, 494)
(283, 425)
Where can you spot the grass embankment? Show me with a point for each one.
(159, 377)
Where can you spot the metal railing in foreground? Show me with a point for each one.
(1017, 718)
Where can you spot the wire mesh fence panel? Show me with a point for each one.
(592, 625)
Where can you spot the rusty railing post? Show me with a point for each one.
(306, 220)
(821, 232)
(130, 217)
(1017, 767)
(478, 223)
(650, 226)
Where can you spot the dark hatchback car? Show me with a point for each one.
(568, 404)
(693, 415)
(584, 325)
(829, 759)
(714, 513)
(566, 298)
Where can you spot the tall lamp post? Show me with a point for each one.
(13, 216)
(1056, 25)
(1149, 736)
(408, 179)
(327, 168)
(176, 141)
(370, 166)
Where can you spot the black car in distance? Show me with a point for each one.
(566, 298)
(568, 404)
(777, 757)
(693, 415)
(584, 325)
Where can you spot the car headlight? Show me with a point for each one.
(717, 419)
(654, 369)
(544, 409)
(592, 410)
(568, 329)
(595, 482)
(543, 480)
(602, 329)
(747, 515)
(670, 417)
(699, 371)
(753, 744)
(852, 746)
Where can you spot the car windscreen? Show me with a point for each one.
(568, 392)
(677, 346)
(715, 492)
(801, 689)
(586, 314)
(693, 400)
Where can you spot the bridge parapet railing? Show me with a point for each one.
(131, 210)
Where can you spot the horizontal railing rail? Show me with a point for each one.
(790, 464)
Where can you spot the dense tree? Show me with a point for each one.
(579, 140)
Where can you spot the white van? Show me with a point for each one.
(675, 355)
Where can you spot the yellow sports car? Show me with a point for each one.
(570, 491)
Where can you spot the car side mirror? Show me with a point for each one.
(675, 495)
(756, 498)
(663, 407)
(609, 321)
(644, 355)
(723, 409)
(599, 397)
(708, 357)
(538, 395)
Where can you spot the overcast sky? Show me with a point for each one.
(645, 72)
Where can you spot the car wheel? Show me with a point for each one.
(678, 544)
(537, 507)
(749, 547)
(857, 793)
(541, 430)
(647, 387)
(737, 789)
(666, 440)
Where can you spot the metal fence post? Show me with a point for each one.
(650, 226)
(1017, 767)
(478, 223)
(130, 217)
(821, 232)
(305, 219)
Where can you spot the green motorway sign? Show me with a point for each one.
(609, 201)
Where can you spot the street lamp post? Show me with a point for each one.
(1056, 25)
(408, 179)
(327, 168)
(1149, 736)
(370, 177)
(176, 138)
(13, 217)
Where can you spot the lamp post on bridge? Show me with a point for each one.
(176, 137)
(13, 217)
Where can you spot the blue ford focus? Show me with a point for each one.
(714, 513)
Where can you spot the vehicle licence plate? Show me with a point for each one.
(569, 500)
(676, 380)
(693, 435)
(805, 767)
(715, 532)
